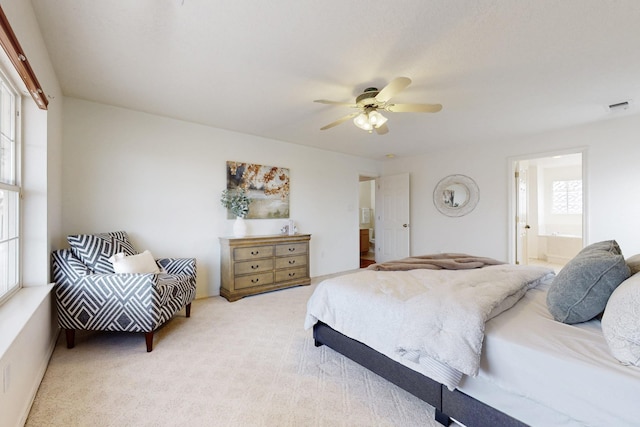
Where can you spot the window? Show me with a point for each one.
(9, 189)
(567, 197)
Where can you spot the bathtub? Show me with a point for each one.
(558, 248)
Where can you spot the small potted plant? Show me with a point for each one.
(238, 203)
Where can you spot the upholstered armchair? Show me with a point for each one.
(91, 295)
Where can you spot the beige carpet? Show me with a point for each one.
(246, 363)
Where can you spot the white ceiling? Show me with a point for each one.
(500, 68)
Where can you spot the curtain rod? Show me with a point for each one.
(12, 47)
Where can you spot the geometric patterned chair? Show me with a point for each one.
(91, 296)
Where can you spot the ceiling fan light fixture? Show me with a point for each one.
(362, 121)
(376, 119)
(372, 101)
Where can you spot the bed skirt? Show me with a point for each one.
(448, 404)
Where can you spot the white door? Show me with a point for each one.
(392, 217)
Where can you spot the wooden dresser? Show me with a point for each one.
(255, 264)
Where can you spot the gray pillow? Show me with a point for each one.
(582, 288)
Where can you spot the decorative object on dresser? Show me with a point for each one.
(257, 264)
(289, 228)
(237, 202)
(104, 284)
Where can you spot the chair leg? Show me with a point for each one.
(71, 337)
(148, 336)
(188, 309)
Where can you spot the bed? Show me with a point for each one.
(531, 370)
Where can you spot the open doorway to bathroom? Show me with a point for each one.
(548, 200)
(366, 220)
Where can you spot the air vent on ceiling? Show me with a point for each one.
(619, 106)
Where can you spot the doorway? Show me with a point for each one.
(366, 214)
(549, 206)
(384, 217)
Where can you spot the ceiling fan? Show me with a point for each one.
(371, 100)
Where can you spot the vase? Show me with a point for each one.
(239, 227)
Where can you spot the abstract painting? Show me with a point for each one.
(266, 186)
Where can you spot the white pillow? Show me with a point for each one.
(621, 322)
(141, 263)
(634, 263)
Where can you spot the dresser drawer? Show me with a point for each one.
(254, 280)
(255, 266)
(292, 249)
(291, 274)
(291, 261)
(253, 252)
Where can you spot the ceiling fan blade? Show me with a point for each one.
(381, 130)
(340, 120)
(395, 86)
(326, 101)
(413, 108)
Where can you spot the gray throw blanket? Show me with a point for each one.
(446, 261)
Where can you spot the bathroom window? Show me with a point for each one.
(567, 197)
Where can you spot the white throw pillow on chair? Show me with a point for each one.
(141, 263)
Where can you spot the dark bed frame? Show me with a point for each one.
(448, 404)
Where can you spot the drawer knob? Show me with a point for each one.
(292, 274)
(253, 267)
(255, 252)
(292, 261)
(255, 280)
(292, 249)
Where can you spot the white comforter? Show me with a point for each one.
(422, 314)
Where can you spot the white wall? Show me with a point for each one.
(29, 329)
(612, 175)
(476, 233)
(160, 180)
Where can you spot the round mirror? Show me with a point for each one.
(456, 195)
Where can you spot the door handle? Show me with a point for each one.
(405, 225)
